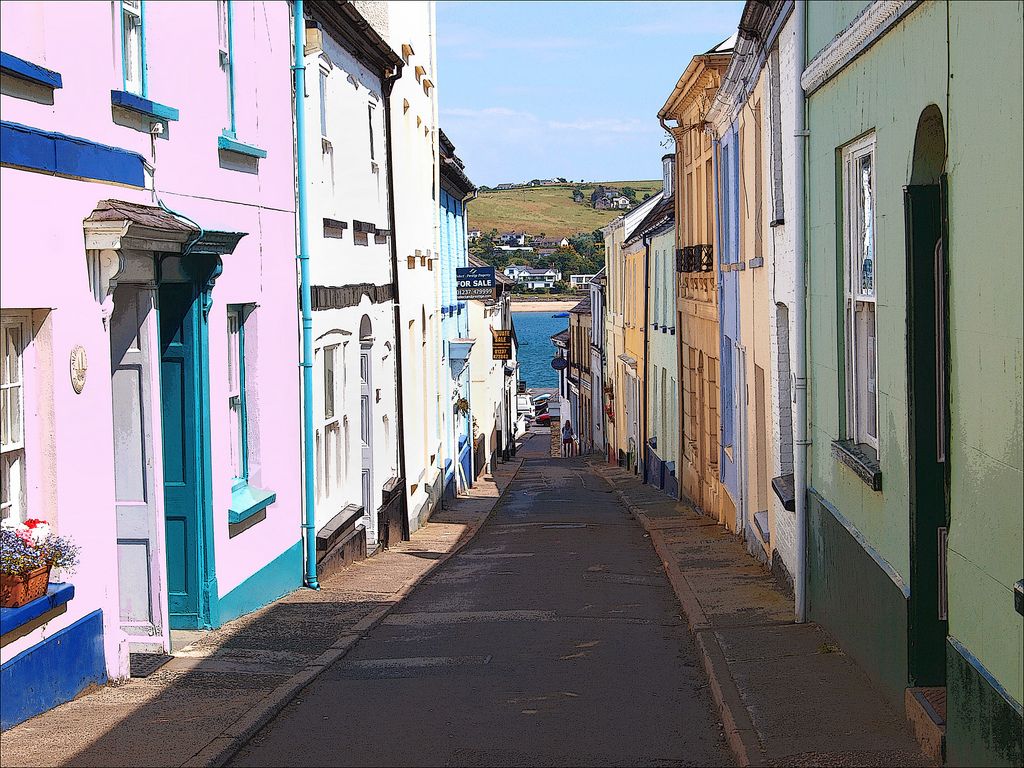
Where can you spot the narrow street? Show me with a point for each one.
(553, 638)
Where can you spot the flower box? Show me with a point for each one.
(17, 590)
(28, 552)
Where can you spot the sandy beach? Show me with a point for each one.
(543, 306)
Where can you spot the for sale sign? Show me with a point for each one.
(474, 283)
(501, 344)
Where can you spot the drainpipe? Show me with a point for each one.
(647, 346)
(799, 320)
(309, 485)
(387, 85)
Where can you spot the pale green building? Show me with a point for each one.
(915, 353)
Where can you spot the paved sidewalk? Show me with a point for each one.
(785, 691)
(202, 706)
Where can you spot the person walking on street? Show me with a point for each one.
(567, 438)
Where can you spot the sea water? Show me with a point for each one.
(536, 350)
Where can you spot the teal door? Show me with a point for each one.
(183, 476)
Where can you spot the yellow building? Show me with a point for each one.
(683, 115)
(623, 365)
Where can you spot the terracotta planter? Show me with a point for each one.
(15, 591)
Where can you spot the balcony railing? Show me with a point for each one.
(695, 258)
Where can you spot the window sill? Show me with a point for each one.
(785, 489)
(144, 107)
(26, 70)
(246, 501)
(230, 144)
(856, 457)
(37, 612)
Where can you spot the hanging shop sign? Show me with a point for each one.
(474, 283)
(559, 363)
(501, 344)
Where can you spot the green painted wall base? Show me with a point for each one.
(854, 595)
(277, 578)
(983, 724)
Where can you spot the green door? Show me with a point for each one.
(927, 366)
(183, 492)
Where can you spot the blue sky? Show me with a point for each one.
(541, 89)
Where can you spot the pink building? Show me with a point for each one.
(148, 284)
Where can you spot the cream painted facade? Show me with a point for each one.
(752, 123)
(621, 374)
(414, 136)
(697, 294)
(492, 391)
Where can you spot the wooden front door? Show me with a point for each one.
(183, 445)
(927, 363)
(132, 339)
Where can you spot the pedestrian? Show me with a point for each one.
(567, 438)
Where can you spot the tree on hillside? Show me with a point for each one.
(630, 193)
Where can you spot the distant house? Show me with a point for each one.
(621, 201)
(577, 196)
(528, 277)
(513, 238)
(580, 281)
(549, 242)
(474, 234)
(506, 186)
(608, 195)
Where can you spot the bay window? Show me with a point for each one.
(861, 347)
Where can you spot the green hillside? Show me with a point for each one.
(550, 210)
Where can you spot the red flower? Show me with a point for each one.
(33, 522)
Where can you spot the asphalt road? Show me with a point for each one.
(553, 638)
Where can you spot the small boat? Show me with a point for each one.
(560, 314)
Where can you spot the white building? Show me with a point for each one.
(580, 281)
(528, 277)
(412, 33)
(354, 391)
(494, 382)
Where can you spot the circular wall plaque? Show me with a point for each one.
(559, 364)
(79, 366)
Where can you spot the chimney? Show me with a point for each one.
(668, 173)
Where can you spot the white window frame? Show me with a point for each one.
(322, 86)
(861, 292)
(12, 433)
(331, 450)
(225, 44)
(133, 58)
(236, 405)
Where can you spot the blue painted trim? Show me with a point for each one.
(143, 106)
(26, 70)
(56, 596)
(53, 671)
(875, 555)
(277, 578)
(246, 501)
(142, 48)
(229, 144)
(987, 676)
(56, 153)
(305, 300)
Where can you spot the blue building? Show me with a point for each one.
(456, 189)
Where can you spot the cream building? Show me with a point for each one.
(411, 31)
